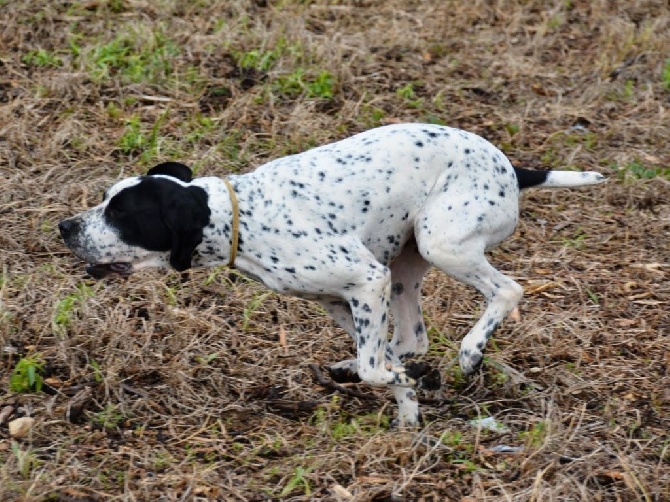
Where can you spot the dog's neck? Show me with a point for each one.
(215, 248)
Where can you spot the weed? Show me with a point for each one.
(555, 22)
(499, 378)
(252, 307)
(42, 58)
(512, 129)
(299, 83)
(134, 140)
(27, 374)
(26, 460)
(170, 295)
(536, 435)
(203, 126)
(638, 171)
(258, 60)
(450, 438)
(433, 119)
(298, 479)
(67, 307)
(408, 94)
(130, 58)
(466, 465)
(628, 89)
(321, 86)
(214, 275)
(114, 111)
(665, 76)
(577, 241)
(593, 296)
(230, 146)
(371, 116)
(5, 314)
(205, 360)
(97, 373)
(108, 418)
(162, 460)
(343, 429)
(73, 40)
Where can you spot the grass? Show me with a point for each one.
(132, 57)
(300, 84)
(636, 170)
(67, 308)
(198, 386)
(27, 374)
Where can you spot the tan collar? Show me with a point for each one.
(235, 237)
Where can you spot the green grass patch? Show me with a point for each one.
(665, 76)
(131, 57)
(27, 374)
(638, 171)
(108, 418)
(42, 58)
(408, 94)
(138, 141)
(66, 309)
(301, 83)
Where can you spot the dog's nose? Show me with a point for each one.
(67, 228)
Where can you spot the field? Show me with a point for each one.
(205, 385)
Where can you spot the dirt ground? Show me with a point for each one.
(206, 386)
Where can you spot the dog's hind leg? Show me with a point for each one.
(502, 294)
(458, 250)
(409, 333)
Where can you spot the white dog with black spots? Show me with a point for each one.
(353, 225)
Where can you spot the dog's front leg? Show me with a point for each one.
(369, 303)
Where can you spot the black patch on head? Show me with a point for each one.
(160, 215)
(174, 169)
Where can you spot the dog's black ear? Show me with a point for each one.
(186, 214)
(174, 169)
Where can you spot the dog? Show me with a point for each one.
(353, 225)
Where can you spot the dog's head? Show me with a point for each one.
(155, 220)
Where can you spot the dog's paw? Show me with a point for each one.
(390, 375)
(343, 374)
(470, 360)
(431, 380)
(427, 378)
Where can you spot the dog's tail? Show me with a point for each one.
(556, 179)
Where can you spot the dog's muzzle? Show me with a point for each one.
(70, 231)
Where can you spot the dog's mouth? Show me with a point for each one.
(100, 270)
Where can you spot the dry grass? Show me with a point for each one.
(165, 387)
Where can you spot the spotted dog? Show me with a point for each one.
(353, 225)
